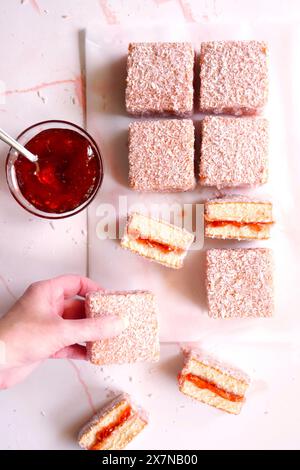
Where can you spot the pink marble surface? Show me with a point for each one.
(40, 73)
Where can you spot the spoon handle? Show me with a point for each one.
(13, 143)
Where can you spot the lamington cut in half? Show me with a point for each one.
(209, 381)
(139, 342)
(239, 282)
(157, 240)
(117, 424)
(238, 217)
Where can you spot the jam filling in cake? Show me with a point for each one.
(151, 243)
(204, 384)
(107, 431)
(163, 247)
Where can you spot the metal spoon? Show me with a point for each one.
(13, 143)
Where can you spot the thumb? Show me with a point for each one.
(93, 329)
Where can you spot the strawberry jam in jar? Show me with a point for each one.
(67, 175)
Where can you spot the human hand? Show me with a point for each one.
(48, 321)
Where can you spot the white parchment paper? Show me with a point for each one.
(181, 294)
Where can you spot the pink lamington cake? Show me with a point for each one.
(233, 77)
(160, 78)
(240, 283)
(234, 152)
(139, 342)
(161, 155)
(210, 381)
(114, 426)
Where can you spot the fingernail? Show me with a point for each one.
(125, 321)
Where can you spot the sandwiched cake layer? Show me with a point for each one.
(125, 434)
(157, 240)
(210, 398)
(207, 380)
(238, 217)
(114, 426)
(237, 231)
(238, 209)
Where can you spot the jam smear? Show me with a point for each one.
(67, 173)
(200, 383)
(108, 430)
(257, 226)
(163, 247)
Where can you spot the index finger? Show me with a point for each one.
(71, 285)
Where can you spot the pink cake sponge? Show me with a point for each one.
(160, 78)
(139, 342)
(161, 155)
(240, 283)
(233, 77)
(234, 152)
